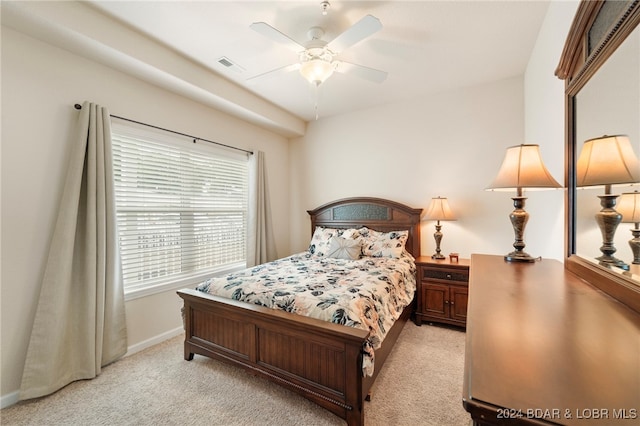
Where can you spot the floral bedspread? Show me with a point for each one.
(368, 293)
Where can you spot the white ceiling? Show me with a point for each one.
(425, 46)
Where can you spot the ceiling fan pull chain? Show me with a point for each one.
(316, 102)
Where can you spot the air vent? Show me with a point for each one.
(224, 61)
(229, 64)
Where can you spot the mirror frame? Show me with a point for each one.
(577, 65)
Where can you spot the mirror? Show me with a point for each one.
(600, 64)
(608, 104)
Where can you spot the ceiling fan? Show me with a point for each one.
(317, 57)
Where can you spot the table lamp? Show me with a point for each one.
(439, 210)
(608, 160)
(629, 208)
(521, 168)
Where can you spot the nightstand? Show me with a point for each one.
(442, 291)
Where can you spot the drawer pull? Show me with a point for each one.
(449, 276)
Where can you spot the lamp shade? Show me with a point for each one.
(629, 207)
(316, 70)
(439, 210)
(607, 160)
(522, 167)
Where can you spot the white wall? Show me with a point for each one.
(450, 144)
(544, 123)
(40, 85)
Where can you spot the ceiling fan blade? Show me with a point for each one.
(273, 73)
(277, 36)
(361, 71)
(358, 31)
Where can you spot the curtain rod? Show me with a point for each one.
(195, 138)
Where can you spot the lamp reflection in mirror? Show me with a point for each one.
(522, 168)
(439, 210)
(607, 161)
(629, 208)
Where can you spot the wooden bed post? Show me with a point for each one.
(355, 416)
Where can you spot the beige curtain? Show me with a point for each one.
(261, 246)
(79, 325)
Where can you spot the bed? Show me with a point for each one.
(323, 361)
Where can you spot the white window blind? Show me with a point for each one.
(181, 208)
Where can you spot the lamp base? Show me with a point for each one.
(611, 261)
(608, 220)
(519, 256)
(438, 237)
(634, 243)
(519, 218)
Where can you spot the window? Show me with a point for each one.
(181, 209)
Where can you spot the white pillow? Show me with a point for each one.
(385, 244)
(322, 237)
(343, 248)
(320, 240)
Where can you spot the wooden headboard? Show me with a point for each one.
(374, 213)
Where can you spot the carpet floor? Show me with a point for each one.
(420, 384)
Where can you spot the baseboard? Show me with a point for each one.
(9, 399)
(13, 397)
(153, 341)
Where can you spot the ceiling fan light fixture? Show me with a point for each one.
(316, 70)
(317, 57)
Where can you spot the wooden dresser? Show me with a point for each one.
(545, 347)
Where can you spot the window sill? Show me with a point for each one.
(175, 284)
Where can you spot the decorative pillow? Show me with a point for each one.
(350, 233)
(344, 248)
(363, 232)
(384, 244)
(320, 240)
(322, 236)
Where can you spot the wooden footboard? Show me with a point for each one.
(319, 360)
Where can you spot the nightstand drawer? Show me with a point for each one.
(444, 274)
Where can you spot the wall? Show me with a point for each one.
(544, 119)
(450, 144)
(40, 85)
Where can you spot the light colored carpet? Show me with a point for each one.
(421, 384)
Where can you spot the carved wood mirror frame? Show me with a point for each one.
(580, 60)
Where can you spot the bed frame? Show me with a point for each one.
(319, 360)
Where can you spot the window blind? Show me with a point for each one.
(181, 208)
